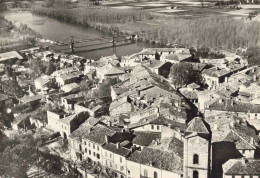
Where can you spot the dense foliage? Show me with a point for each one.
(253, 55)
(183, 74)
(86, 16)
(19, 153)
(219, 32)
(15, 37)
(216, 32)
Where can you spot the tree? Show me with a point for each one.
(38, 68)
(105, 87)
(19, 62)
(50, 68)
(253, 56)
(183, 74)
(8, 71)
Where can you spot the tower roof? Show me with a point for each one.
(197, 125)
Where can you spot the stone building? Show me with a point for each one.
(197, 149)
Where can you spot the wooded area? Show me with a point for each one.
(214, 32)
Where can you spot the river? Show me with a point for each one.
(60, 31)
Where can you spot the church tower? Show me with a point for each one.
(197, 146)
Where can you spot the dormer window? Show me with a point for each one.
(195, 159)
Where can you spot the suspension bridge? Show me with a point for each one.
(73, 44)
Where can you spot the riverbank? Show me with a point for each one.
(215, 32)
(15, 36)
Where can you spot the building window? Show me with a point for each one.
(84, 142)
(152, 126)
(195, 159)
(110, 155)
(120, 159)
(98, 156)
(158, 127)
(195, 174)
(89, 152)
(93, 146)
(145, 173)
(105, 153)
(86, 150)
(80, 147)
(98, 148)
(89, 144)
(94, 154)
(122, 176)
(155, 174)
(121, 168)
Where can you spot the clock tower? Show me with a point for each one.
(197, 149)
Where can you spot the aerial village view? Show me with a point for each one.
(129, 88)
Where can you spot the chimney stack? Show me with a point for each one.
(107, 139)
(252, 141)
(231, 124)
(117, 145)
(232, 103)
(109, 124)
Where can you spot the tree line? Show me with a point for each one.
(87, 16)
(214, 32)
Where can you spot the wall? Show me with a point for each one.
(52, 119)
(123, 108)
(134, 168)
(252, 118)
(94, 149)
(78, 108)
(200, 146)
(150, 128)
(169, 132)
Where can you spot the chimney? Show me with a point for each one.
(90, 129)
(231, 124)
(151, 163)
(117, 145)
(244, 121)
(176, 103)
(107, 139)
(109, 124)
(251, 140)
(238, 121)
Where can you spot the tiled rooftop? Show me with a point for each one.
(234, 106)
(242, 167)
(98, 134)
